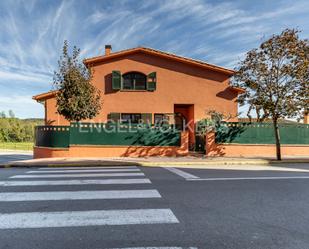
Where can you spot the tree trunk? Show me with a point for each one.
(277, 136)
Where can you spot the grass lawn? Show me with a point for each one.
(16, 146)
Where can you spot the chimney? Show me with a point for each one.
(108, 49)
(306, 117)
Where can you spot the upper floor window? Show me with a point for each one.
(134, 81)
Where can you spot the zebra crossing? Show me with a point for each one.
(110, 178)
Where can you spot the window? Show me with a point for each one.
(160, 119)
(131, 118)
(134, 81)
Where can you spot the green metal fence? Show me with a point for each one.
(132, 135)
(52, 136)
(261, 133)
(105, 134)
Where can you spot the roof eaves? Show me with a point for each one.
(239, 90)
(46, 95)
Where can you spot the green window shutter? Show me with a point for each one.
(116, 80)
(152, 81)
(114, 116)
(147, 118)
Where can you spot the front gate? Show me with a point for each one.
(199, 143)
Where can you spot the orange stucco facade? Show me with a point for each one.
(52, 117)
(177, 84)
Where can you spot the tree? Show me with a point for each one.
(211, 123)
(11, 114)
(275, 77)
(18, 130)
(77, 98)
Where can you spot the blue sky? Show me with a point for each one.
(219, 32)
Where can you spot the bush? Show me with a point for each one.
(18, 130)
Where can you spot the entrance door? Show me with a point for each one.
(184, 119)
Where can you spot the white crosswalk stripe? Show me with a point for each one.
(182, 173)
(82, 170)
(76, 182)
(77, 175)
(79, 195)
(80, 167)
(153, 247)
(87, 218)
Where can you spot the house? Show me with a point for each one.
(147, 84)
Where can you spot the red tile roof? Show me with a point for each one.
(160, 53)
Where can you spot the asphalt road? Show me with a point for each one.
(8, 156)
(154, 208)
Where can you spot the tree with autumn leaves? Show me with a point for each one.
(276, 79)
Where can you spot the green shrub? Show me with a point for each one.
(18, 130)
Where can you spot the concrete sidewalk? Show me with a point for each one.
(151, 161)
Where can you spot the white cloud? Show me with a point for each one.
(22, 105)
(19, 76)
(16, 99)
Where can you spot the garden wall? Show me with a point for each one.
(105, 140)
(257, 140)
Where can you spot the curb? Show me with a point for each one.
(153, 164)
(12, 165)
(260, 162)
